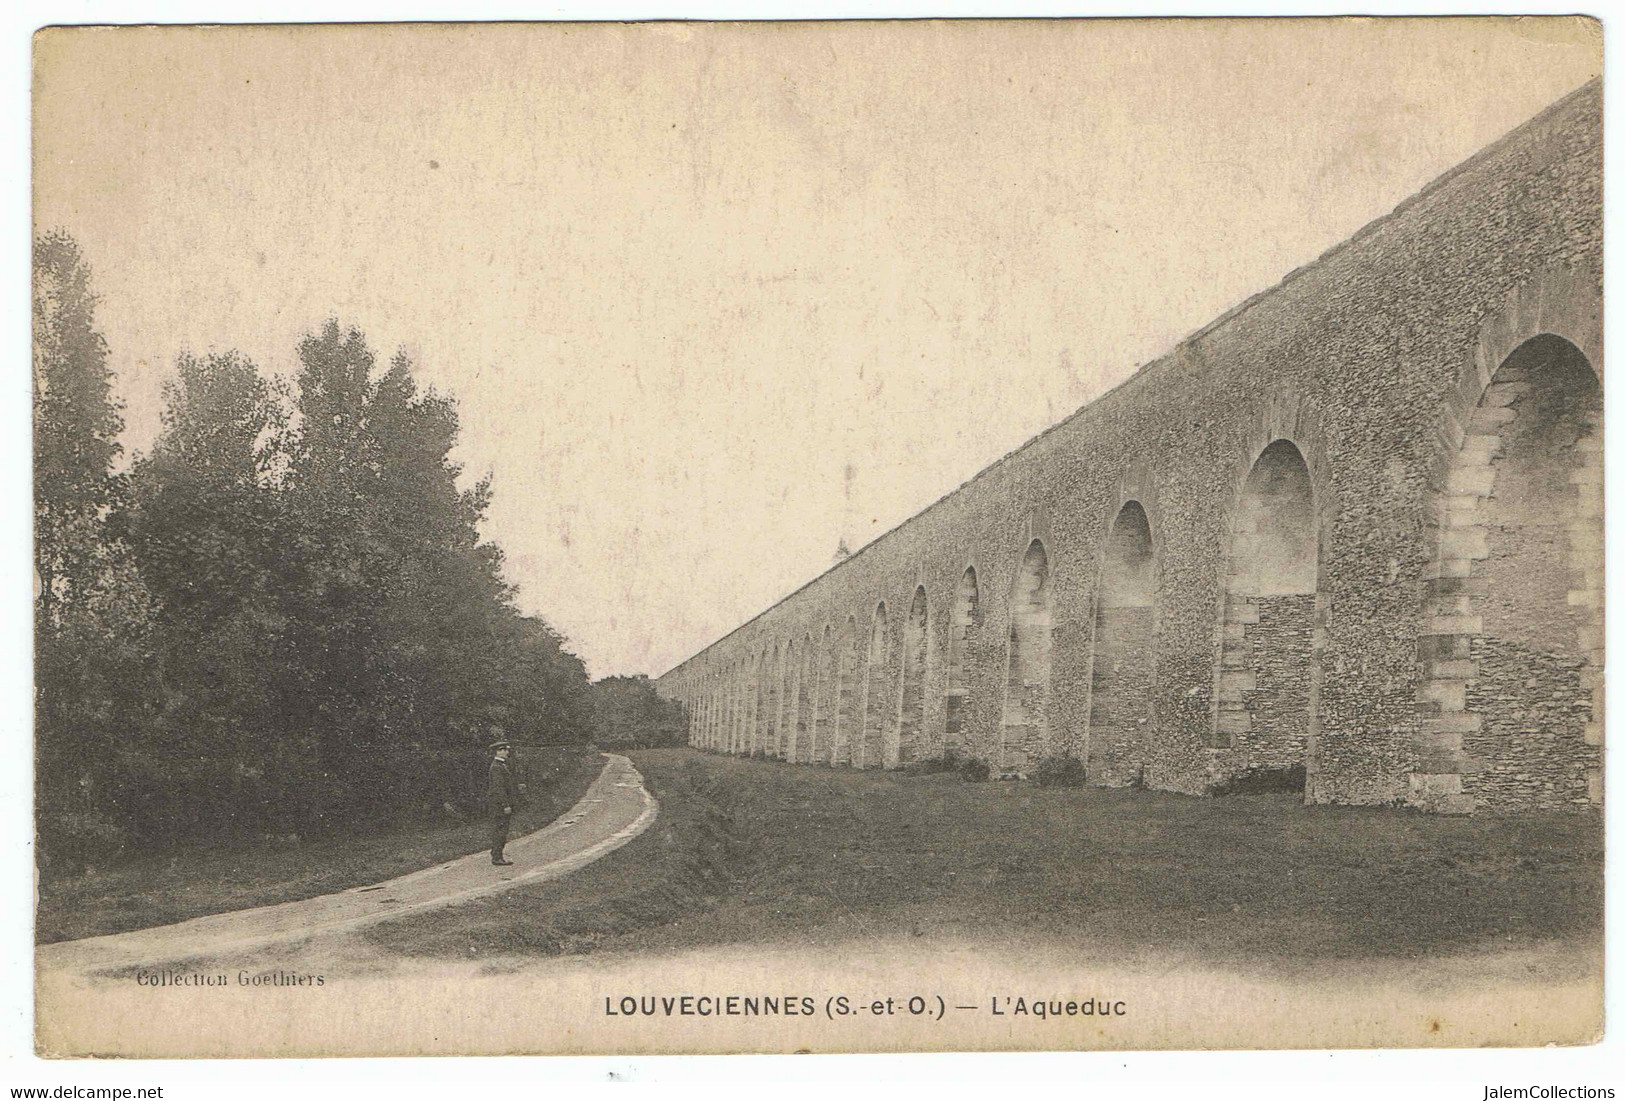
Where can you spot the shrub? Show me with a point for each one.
(1262, 781)
(1058, 772)
(974, 770)
(949, 761)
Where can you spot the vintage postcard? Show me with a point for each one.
(833, 537)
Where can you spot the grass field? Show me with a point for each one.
(159, 890)
(755, 852)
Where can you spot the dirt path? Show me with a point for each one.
(92, 997)
(615, 809)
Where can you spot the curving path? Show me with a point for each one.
(615, 809)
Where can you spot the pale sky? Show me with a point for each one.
(712, 298)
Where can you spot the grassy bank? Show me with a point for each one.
(689, 862)
(754, 851)
(159, 890)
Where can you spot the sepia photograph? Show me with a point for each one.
(977, 535)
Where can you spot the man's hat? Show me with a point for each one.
(500, 743)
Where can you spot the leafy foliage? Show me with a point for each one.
(629, 713)
(1263, 781)
(1058, 772)
(283, 618)
(974, 770)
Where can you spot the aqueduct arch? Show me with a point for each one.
(710, 707)
(741, 681)
(801, 721)
(713, 708)
(824, 692)
(1513, 604)
(747, 702)
(847, 727)
(704, 707)
(909, 742)
(1267, 692)
(767, 717)
(720, 721)
(1123, 666)
(763, 698)
(1025, 730)
(790, 710)
(963, 625)
(787, 699)
(867, 753)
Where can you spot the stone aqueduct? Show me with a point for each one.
(1350, 531)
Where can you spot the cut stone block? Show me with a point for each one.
(1461, 722)
(1440, 741)
(1439, 761)
(1434, 646)
(1450, 695)
(1589, 538)
(1472, 478)
(1455, 567)
(1451, 604)
(1241, 613)
(1469, 542)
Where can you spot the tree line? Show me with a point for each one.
(629, 714)
(279, 619)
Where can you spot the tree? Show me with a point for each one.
(287, 591)
(204, 520)
(76, 424)
(93, 617)
(629, 712)
(330, 540)
(402, 621)
(440, 596)
(206, 526)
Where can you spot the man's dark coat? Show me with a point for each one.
(503, 792)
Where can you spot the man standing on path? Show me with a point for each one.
(504, 795)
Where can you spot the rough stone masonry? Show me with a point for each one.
(1351, 531)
